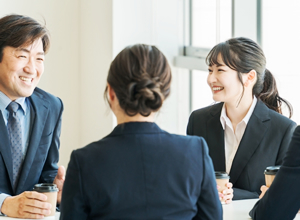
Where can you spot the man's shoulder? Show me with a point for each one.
(42, 94)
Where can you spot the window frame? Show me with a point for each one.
(246, 22)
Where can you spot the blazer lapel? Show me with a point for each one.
(215, 138)
(38, 113)
(254, 133)
(5, 150)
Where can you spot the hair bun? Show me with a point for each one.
(145, 95)
(141, 77)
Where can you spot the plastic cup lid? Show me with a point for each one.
(221, 175)
(272, 170)
(45, 187)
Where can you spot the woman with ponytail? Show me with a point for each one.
(245, 131)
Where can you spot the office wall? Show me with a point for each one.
(95, 57)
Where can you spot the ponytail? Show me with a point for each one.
(270, 96)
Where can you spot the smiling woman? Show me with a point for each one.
(245, 132)
(224, 82)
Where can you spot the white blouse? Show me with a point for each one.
(233, 139)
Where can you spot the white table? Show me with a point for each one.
(239, 210)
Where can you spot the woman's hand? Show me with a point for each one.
(263, 190)
(226, 195)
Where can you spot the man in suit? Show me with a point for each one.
(29, 130)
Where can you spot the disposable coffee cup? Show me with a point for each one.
(50, 190)
(270, 173)
(222, 179)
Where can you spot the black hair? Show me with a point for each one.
(17, 30)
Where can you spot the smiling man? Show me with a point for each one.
(30, 120)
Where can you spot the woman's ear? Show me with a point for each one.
(111, 93)
(250, 78)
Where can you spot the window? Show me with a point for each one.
(281, 44)
(211, 23)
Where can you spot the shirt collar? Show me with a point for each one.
(225, 120)
(4, 102)
(250, 111)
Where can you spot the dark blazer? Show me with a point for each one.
(264, 143)
(40, 163)
(141, 172)
(282, 200)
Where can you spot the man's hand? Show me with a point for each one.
(26, 205)
(59, 181)
(263, 190)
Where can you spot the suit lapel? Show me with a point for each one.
(254, 133)
(215, 138)
(38, 114)
(5, 150)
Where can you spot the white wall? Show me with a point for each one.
(95, 57)
(85, 36)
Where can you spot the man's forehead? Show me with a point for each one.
(35, 46)
(21, 49)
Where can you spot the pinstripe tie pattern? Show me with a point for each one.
(15, 135)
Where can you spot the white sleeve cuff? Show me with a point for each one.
(3, 196)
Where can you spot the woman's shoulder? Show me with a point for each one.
(208, 110)
(173, 142)
(263, 111)
(194, 144)
(276, 121)
(185, 138)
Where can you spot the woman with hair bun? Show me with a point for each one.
(139, 171)
(246, 131)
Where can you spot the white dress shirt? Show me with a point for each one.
(233, 139)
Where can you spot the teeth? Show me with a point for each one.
(217, 88)
(25, 79)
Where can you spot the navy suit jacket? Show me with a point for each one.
(40, 163)
(141, 172)
(264, 143)
(282, 200)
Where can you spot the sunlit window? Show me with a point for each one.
(211, 24)
(281, 44)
